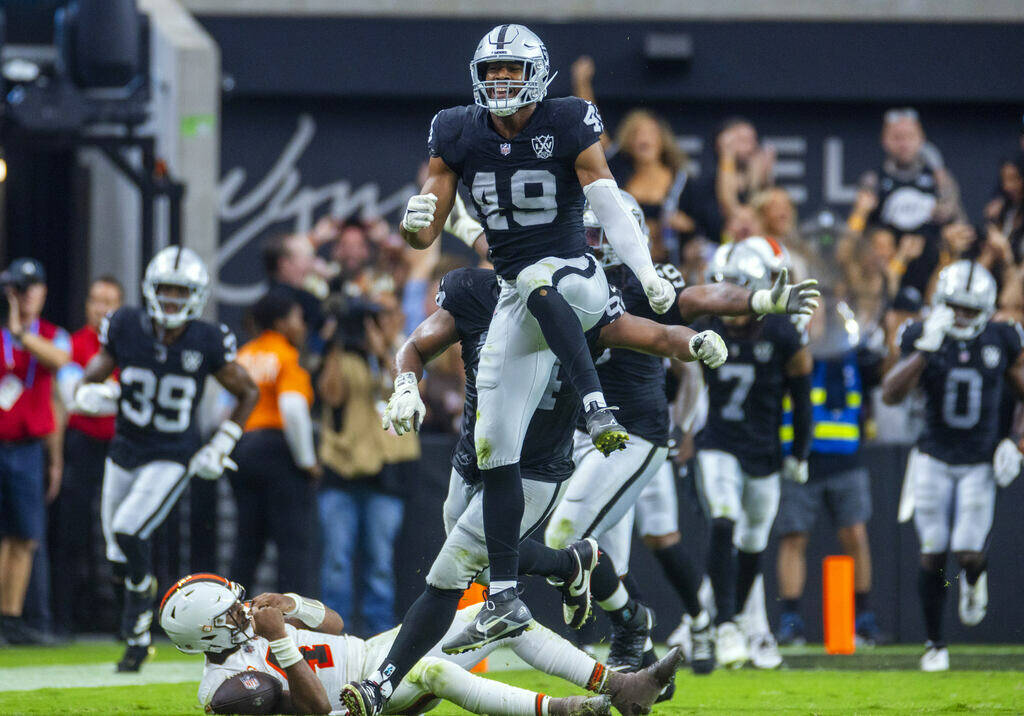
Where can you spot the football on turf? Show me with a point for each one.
(251, 692)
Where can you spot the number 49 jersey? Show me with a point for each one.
(963, 384)
(745, 394)
(525, 189)
(161, 386)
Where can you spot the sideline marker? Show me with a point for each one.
(838, 604)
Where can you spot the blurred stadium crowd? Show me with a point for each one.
(343, 297)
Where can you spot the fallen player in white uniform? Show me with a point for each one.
(298, 642)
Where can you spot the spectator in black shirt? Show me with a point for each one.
(1006, 210)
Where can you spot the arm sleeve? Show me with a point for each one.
(620, 227)
(800, 395)
(298, 428)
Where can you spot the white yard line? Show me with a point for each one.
(66, 676)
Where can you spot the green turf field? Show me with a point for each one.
(987, 679)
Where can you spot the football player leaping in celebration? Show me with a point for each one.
(963, 361)
(164, 354)
(298, 642)
(529, 164)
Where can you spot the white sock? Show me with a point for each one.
(617, 600)
(500, 585)
(142, 639)
(475, 693)
(545, 651)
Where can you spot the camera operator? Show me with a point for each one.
(360, 500)
(33, 350)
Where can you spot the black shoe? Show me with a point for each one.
(18, 633)
(605, 431)
(702, 655)
(362, 698)
(506, 615)
(629, 641)
(137, 617)
(576, 591)
(133, 658)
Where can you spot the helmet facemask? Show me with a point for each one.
(510, 44)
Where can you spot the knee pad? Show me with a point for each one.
(753, 537)
(532, 277)
(456, 566)
(137, 555)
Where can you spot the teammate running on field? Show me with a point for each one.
(739, 451)
(965, 363)
(164, 353)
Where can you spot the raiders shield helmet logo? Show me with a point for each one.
(990, 356)
(544, 146)
(191, 360)
(763, 351)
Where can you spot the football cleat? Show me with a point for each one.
(580, 706)
(764, 651)
(730, 646)
(133, 657)
(362, 698)
(634, 693)
(605, 431)
(506, 615)
(973, 599)
(629, 641)
(791, 629)
(702, 640)
(576, 591)
(936, 657)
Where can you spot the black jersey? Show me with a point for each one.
(963, 386)
(470, 295)
(161, 386)
(525, 189)
(745, 395)
(635, 382)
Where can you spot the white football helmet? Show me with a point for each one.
(196, 614)
(739, 264)
(967, 284)
(596, 239)
(176, 266)
(774, 255)
(515, 43)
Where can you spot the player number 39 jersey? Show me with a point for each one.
(161, 385)
(525, 189)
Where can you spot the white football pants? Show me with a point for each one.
(136, 502)
(965, 494)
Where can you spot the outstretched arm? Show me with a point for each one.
(427, 212)
(679, 342)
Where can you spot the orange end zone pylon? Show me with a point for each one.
(838, 604)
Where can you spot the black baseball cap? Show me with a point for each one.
(23, 272)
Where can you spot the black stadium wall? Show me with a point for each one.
(331, 114)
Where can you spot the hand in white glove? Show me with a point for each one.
(939, 321)
(212, 458)
(405, 410)
(1006, 462)
(782, 297)
(794, 470)
(660, 292)
(709, 348)
(419, 212)
(461, 225)
(97, 398)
